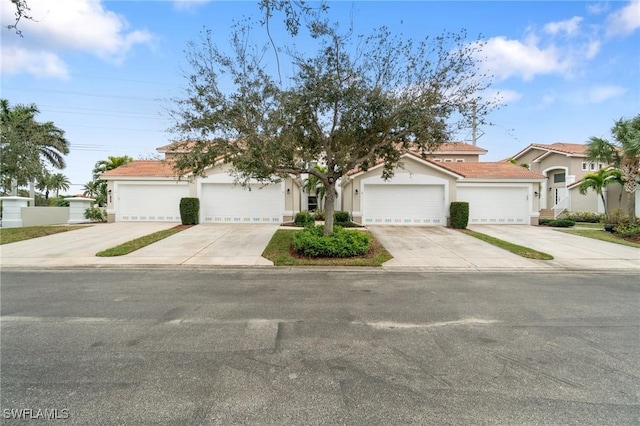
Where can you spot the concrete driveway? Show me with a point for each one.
(437, 247)
(232, 244)
(219, 244)
(569, 251)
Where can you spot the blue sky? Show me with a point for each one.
(102, 70)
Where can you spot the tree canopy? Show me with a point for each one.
(354, 102)
(27, 146)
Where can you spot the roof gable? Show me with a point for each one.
(567, 149)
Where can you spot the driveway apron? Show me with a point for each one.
(569, 251)
(437, 247)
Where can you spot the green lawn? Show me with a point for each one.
(280, 251)
(12, 235)
(600, 234)
(513, 248)
(138, 243)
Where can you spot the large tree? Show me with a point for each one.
(623, 152)
(27, 146)
(354, 102)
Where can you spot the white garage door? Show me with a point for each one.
(228, 203)
(496, 205)
(404, 205)
(152, 203)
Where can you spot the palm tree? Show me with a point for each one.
(624, 154)
(313, 185)
(598, 182)
(91, 189)
(27, 146)
(102, 166)
(59, 182)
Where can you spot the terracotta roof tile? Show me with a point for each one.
(497, 170)
(459, 146)
(148, 168)
(567, 148)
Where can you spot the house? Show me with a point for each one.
(149, 190)
(419, 194)
(422, 190)
(564, 165)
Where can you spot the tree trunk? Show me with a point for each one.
(329, 207)
(631, 206)
(604, 205)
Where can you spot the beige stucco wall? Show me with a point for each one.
(39, 216)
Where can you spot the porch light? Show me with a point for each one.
(356, 191)
(288, 191)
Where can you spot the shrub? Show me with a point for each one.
(95, 214)
(627, 230)
(303, 218)
(341, 216)
(59, 202)
(588, 217)
(545, 221)
(561, 223)
(318, 215)
(459, 214)
(346, 224)
(312, 242)
(189, 210)
(617, 217)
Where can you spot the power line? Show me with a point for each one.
(95, 95)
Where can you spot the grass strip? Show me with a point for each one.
(600, 234)
(527, 252)
(13, 235)
(280, 252)
(138, 243)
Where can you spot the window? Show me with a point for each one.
(459, 160)
(438, 160)
(448, 160)
(313, 203)
(585, 167)
(600, 165)
(592, 166)
(559, 178)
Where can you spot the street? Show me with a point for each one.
(284, 346)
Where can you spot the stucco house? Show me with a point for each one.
(564, 165)
(419, 194)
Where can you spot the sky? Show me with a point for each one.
(105, 71)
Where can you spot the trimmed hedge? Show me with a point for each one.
(312, 242)
(587, 217)
(341, 216)
(557, 223)
(627, 230)
(459, 214)
(303, 218)
(189, 210)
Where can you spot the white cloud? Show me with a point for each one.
(513, 58)
(569, 27)
(597, 8)
(37, 63)
(592, 49)
(71, 25)
(600, 94)
(624, 21)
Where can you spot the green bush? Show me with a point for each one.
(588, 217)
(59, 202)
(189, 210)
(617, 217)
(312, 242)
(627, 230)
(545, 222)
(561, 223)
(341, 216)
(318, 215)
(303, 218)
(346, 224)
(459, 214)
(95, 214)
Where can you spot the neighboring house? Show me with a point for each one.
(422, 190)
(564, 165)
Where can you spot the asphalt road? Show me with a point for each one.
(198, 346)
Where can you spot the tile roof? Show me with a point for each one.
(497, 170)
(143, 168)
(459, 146)
(179, 146)
(567, 148)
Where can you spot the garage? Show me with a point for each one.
(404, 204)
(153, 202)
(229, 203)
(507, 205)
